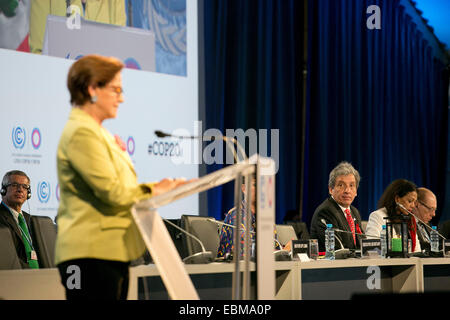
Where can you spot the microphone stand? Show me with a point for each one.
(232, 226)
(420, 220)
(340, 242)
(202, 257)
(161, 134)
(238, 200)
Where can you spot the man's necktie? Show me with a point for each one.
(351, 223)
(31, 254)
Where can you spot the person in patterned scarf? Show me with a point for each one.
(226, 245)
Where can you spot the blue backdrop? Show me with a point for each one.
(253, 59)
(375, 98)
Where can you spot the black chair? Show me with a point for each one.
(301, 229)
(285, 233)
(8, 255)
(44, 239)
(444, 229)
(177, 237)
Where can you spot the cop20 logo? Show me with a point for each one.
(36, 138)
(18, 137)
(43, 191)
(131, 146)
(57, 192)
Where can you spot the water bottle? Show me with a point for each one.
(383, 241)
(434, 240)
(329, 242)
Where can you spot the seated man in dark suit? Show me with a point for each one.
(425, 211)
(15, 191)
(337, 209)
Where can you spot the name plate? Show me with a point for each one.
(370, 248)
(310, 248)
(446, 247)
(300, 247)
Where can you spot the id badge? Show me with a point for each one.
(33, 255)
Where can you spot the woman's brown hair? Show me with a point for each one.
(91, 70)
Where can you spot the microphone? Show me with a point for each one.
(425, 224)
(280, 255)
(349, 232)
(202, 257)
(225, 224)
(340, 242)
(161, 134)
(234, 227)
(227, 140)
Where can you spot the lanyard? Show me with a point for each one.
(25, 233)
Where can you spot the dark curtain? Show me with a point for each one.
(253, 62)
(376, 98)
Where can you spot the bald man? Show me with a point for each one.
(425, 210)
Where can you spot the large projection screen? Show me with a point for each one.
(35, 104)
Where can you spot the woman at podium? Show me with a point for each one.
(97, 236)
(110, 12)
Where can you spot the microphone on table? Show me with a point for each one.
(161, 134)
(202, 257)
(225, 224)
(420, 220)
(280, 255)
(338, 230)
(349, 232)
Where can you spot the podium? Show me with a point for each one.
(135, 47)
(165, 255)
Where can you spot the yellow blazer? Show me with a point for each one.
(104, 11)
(98, 187)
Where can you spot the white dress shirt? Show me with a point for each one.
(376, 222)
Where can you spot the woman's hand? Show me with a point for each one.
(167, 184)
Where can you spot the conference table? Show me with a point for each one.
(295, 280)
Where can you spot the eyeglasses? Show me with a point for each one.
(343, 186)
(17, 185)
(116, 90)
(428, 207)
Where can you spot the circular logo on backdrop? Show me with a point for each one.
(43, 191)
(36, 138)
(57, 192)
(131, 146)
(132, 63)
(18, 137)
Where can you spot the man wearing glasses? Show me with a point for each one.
(425, 210)
(338, 210)
(15, 190)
